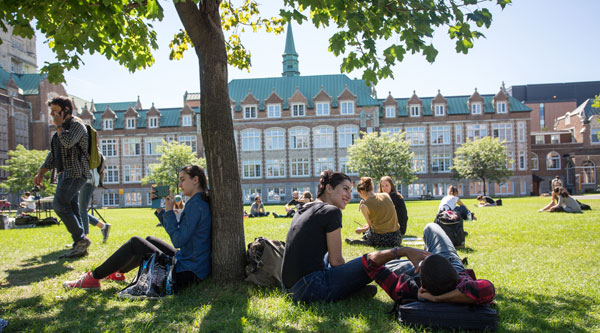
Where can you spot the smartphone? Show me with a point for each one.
(161, 192)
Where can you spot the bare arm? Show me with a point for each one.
(334, 247)
(454, 296)
(365, 212)
(459, 203)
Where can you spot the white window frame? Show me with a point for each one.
(390, 130)
(111, 174)
(275, 168)
(554, 139)
(251, 140)
(299, 164)
(390, 111)
(299, 138)
(251, 169)
(132, 199)
(523, 185)
(503, 131)
(108, 124)
(521, 131)
(550, 157)
(588, 172)
(507, 188)
(346, 107)
(440, 135)
(132, 173)
(274, 110)
(322, 108)
(540, 139)
(501, 107)
(110, 199)
(347, 135)
(134, 144)
(151, 145)
(130, 123)
(439, 109)
(248, 192)
(479, 129)
(104, 147)
(475, 188)
(535, 161)
(522, 160)
(189, 140)
(510, 160)
(298, 110)
(274, 139)
(416, 190)
(415, 136)
(458, 134)
(419, 162)
(250, 111)
(186, 120)
(414, 110)
(153, 122)
(323, 137)
(343, 167)
(275, 194)
(476, 108)
(441, 162)
(322, 164)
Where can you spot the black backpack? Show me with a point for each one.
(452, 224)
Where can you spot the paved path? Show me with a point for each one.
(586, 197)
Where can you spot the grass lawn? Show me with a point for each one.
(545, 268)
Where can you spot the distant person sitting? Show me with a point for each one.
(290, 206)
(304, 199)
(556, 182)
(452, 202)
(485, 201)
(553, 201)
(565, 203)
(27, 204)
(257, 209)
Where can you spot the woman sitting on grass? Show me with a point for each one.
(313, 266)
(452, 202)
(565, 203)
(191, 235)
(382, 228)
(386, 185)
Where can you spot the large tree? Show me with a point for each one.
(387, 154)
(483, 159)
(122, 30)
(22, 165)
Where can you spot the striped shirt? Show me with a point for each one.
(69, 150)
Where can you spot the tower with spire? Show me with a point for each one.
(290, 57)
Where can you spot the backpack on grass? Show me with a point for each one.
(447, 316)
(265, 258)
(452, 224)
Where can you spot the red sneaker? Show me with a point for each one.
(86, 281)
(116, 276)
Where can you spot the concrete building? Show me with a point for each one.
(17, 54)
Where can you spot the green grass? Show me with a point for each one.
(545, 268)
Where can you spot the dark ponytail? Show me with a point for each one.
(329, 177)
(197, 171)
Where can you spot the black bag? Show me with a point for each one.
(155, 279)
(584, 206)
(47, 221)
(265, 258)
(499, 202)
(452, 224)
(25, 220)
(448, 316)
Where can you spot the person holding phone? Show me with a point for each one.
(191, 235)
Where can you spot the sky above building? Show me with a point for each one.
(531, 41)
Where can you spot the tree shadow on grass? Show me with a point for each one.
(36, 269)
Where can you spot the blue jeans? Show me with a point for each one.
(85, 196)
(332, 283)
(436, 242)
(66, 205)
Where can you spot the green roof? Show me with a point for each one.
(290, 48)
(29, 83)
(309, 86)
(115, 106)
(169, 117)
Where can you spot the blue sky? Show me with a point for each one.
(531, 41)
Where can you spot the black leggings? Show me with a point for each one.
(131, 254)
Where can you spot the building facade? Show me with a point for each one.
(17, 54)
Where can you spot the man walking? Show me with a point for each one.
(69, 157)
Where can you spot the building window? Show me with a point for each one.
(322, 109)
(275, 193)
(589, 172)
(390, 112)
(274, 110)
(251, 169)
(501, 107)
(539, 140)
(521, 131)
(475, 108)
(419, 162)
(476, 131)
(522, 161)
(111, 174)
(553, 161)
(347, 135)
(130, 123)
(347, 107)
(298, 110)
(133, 199)
(250, 193)
(510, 160)
(417, 190)
(475, 188)
(595, 139)
(250, 112)
(534, 162)
(21, 129)
(458, 133)
(251, 140)
(108, 147)
(440, 135)
(504, 189)
(152, 143)
(186, 120)
(274, 139)
(503, 131)
(299, 167)
(189, 140)
(323, 137)
(542, 116)
(415, 110)
(554, 138)
(299, 138)
(523, 184)
(275, 168)
(415, 136)
(110, 199)
(107, 125)
(343, 166)
(440, 110)
(390, 130)
(440, 189)
(153, 122)
(132, 173)
(441, 162)
(322, 164)
(132, 146)
(567, 119)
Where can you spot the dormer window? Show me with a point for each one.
(440, 110)
(322, 109)
(108, 125)
(88, 122)
(476, 108)
(153, 122)
(347, 107)
(298, 110)
(415, 110)
(390, 112)
(274, 110)
(250, 112)
(501, 107)
(186, 120)
(130, 123)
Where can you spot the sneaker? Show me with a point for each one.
(267, 213)
(368, 291)
(105, 231)
(116, 276)
(86, 281)
(275, 214)
(79, 249)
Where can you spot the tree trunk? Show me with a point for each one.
(203, 24)
(484, 188)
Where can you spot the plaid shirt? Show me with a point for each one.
(69, 150)
(405, 287)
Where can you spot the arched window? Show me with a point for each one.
(553, 161)
(299, 137)
(323, 137)
(535, 163)
(347, 134)
(251, 140)
(275, 139)
(589, 172)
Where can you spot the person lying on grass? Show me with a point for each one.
(191, 235)
(435, 274)
(313, 267)
(485, 201)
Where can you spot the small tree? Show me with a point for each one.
(482, 159)
(376, 155)
(22, 166)
(174, 156)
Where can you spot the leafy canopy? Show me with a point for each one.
(377, 155)
(482, 159)
(174, 156)
(22, 166)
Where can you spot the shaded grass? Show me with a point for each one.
(544, 266)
